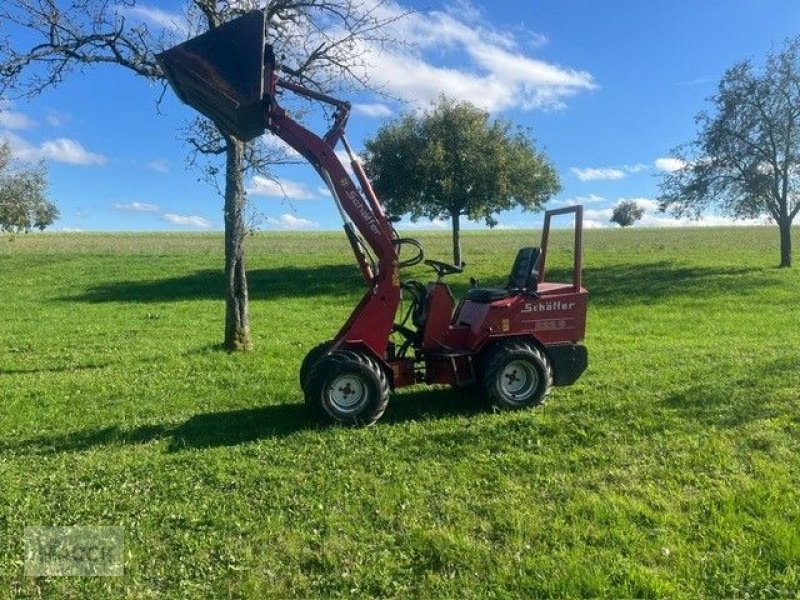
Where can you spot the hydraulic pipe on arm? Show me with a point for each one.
(371, 322)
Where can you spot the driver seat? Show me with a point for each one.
(522, 280)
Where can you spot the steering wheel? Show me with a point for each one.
(443, 268)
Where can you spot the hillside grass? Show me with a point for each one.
(670, 470)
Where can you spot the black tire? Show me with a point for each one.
(347, 388)
(516, 375)
(311, 359)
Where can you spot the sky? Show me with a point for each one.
(607, 89)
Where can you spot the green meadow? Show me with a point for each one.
(670, 470)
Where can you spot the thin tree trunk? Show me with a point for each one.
(237, 317)
(456, 238)
(785, 227)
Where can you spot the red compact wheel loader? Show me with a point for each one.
(514, 342)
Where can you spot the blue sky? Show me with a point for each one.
(608, 88)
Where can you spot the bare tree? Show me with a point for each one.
(745, 159)
(42, 42)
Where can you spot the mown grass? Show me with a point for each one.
(672, 468)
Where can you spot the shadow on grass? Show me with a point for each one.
(735, 402)
(209, 284)
(609, 285)
(651, 282)
(231, 428)
(61, 369)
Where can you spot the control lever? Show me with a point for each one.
(443, 268)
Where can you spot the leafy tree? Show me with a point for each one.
(23, 202)
(452, 161)
(745, 159)
(626, 213)
(43, 41)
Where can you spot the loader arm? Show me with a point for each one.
(371, 322)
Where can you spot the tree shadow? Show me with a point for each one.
(608, 285)
(627, 284)
(224, 428)
(235, 427)
(59, 369)
(209, 284)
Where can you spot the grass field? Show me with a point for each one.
(671, 470)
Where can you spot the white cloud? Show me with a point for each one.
(496, 74)
(669, 165)
(592, 224)
(290, 222)
(607, 173)
(72, 230)
(187, 220)
(171, 21)
(63, 150)
(57, 118)
(159, 166)
(282, 188)
(598, 214)
(696, 81)
(376, 110)
(344, 158)
(424, 224)
(10, 119)
(594, 174)
(589, 199)
(465, 10)
(536, 40)
(70, 152)
(145, 207)
(276, 145)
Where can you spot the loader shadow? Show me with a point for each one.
(209, 284)
(232, 428)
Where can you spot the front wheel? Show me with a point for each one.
(347, 388)
(516, 375)
(311, 359)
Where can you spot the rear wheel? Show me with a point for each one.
(348, 388)
(516, 375)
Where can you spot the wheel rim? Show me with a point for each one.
(347, 393)
(518, 380)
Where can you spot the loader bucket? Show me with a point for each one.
(221, 74)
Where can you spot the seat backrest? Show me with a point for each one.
(524, 274)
